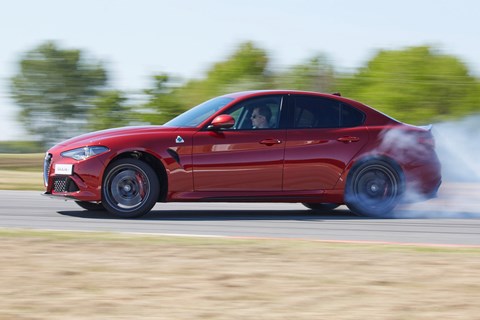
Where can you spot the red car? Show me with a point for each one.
(321, 150)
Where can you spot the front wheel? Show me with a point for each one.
(374, 188)
(130, 188)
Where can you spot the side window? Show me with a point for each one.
(257, 113)
(315, 112)
(305, 117)
(351, 117)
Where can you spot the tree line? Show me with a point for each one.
(61, 92)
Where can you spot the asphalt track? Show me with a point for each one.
(452, 219)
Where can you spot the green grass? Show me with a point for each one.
(21, 147)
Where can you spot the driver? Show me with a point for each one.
(261, 117)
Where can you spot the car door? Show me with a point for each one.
(242, 158)
(323, 136)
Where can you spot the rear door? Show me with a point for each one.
(323, 136)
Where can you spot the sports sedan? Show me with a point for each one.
(322, 150)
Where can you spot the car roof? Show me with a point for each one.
(278, 91)
(378, 118)
(255, 93)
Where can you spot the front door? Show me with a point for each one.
(248, 157)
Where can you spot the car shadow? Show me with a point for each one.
(281, 215)
(221, 215)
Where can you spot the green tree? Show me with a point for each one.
(163, 103)
(109, 111)
(417, 85)
(54, 88)
(316, 74)
(244, 69)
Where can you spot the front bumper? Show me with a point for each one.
(83, 183)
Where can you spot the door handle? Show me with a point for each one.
(348, 139)
(270, 142)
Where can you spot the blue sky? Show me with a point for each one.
(138, 38)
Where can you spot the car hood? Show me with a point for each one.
(97, 137)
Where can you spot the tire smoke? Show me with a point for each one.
(458, 148)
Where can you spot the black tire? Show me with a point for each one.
(130, 188)
(374, 188)
(321, 207)
(91, 206)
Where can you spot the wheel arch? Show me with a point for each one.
(357, 162)
(362, 160)
(156, 164)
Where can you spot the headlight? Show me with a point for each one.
(84, 153)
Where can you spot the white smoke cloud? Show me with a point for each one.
(458, 148)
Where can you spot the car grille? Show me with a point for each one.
(46, 168)
(64, 184)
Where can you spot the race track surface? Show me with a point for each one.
(452, 219)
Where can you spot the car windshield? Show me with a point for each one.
(198, 114)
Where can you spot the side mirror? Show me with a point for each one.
(223, 121)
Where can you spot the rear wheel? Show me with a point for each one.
(321, 207)
(90, 206)
(130, 188)
(374, 188)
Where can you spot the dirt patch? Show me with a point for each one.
(24, 162)
(102, 276)
(21, 171)
(21, 180)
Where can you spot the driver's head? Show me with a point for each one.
(261, 117)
